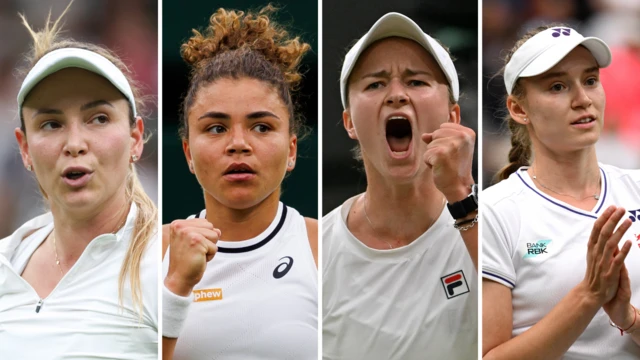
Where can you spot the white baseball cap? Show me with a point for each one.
(545, 49)
(59, 59)
(395, 24)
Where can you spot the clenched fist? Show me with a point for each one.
(192, 244)
(450, 156)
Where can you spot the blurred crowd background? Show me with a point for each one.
(182, 195)
(128, 27)
(453, 22)
(617, 22)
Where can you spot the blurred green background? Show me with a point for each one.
(181, 193)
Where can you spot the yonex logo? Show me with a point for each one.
(454, 284)
(560, 31)
(207, 295)
(537, 248)
(635, 215)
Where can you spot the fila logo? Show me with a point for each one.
(537, 248)
(561, 31)
(283, 268)
(635, 215)
(207, 295)
(454, 284)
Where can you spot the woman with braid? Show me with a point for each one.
(561, 266)
(81, 280)
(240, 276)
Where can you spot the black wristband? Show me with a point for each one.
(463, 208)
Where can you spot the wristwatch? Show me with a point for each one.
(461, 209)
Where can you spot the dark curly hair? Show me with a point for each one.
(238, 44)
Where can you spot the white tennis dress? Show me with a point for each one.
(537, 246)
(81, 318)
(258, 298)
(415, 302)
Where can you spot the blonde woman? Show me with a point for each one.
(81, 280)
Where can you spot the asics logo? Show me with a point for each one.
(283, 268)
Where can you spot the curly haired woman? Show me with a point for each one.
(241, 275)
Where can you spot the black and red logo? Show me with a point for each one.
(454, 284)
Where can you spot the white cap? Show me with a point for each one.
(545, 49)
(395, 24)
(64, 58)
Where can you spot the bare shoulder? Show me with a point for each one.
(312, 234)
(165, 238)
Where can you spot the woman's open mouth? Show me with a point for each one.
(76, 177)
(399, 136)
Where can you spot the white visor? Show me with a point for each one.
(395, 24)
(545, 49)
(76, 58)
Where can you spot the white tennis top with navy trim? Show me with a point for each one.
(81, 318)
(536, 245)
(418, 301)
(258, 298)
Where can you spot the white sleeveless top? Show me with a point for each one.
(258, 298)
(419, 301)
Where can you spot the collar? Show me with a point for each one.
(9, 244)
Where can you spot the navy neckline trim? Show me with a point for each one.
(261, 243)
(604, 197)
(499, 277)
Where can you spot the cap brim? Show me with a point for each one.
(76, 58)
(390, 25)
(396, 25)
(555, 54)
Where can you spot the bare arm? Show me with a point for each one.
(168, 344)
(168, 347)
(470, 238)
(450, 157)
(192, 246)
(634, 331)
(558, 330)
(620, 310)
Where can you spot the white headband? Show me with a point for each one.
(395, 24)
(545, 49)
(76, 58)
